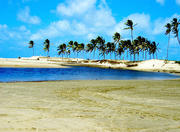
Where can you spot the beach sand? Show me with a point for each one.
(88, 106)
(29, 63)
(56, 62)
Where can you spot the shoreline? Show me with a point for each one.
(56, 81)
(56, 62)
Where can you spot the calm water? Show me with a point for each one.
(77, 73)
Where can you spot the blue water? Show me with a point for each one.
(77, 73)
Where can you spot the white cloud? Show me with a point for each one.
(53, 30)
(15, 35)
(178, 2)
(161, 2)
(74, 7)
(24, 16)
(90, 20)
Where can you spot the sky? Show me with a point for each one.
(81, 20)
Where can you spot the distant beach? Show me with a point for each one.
(56, 62)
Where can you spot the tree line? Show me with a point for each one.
(131, 49)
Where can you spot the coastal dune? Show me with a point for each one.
(107, 106)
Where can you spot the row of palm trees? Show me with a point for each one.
(119, 48)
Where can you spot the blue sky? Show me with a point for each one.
(65, 20)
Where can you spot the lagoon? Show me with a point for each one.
(78, 73)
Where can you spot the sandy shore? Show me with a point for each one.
(56, 62)
(29, 63)
(88, 106)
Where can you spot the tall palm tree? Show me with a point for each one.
(94, 44)
(31, 45)
(76, 48)
(110, 48)
(47, 46)
(168, 32)
(89, 48)
(153, 49)
(175, 28)
(61, 49)
(70, 46)
(116, 38)
(81, 47)
(101, 46)
(130, 25)
(120, 51)
(143, 46)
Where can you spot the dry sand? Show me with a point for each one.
(89, 106)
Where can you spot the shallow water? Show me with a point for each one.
(78, 73)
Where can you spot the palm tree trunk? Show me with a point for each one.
(178, 38)
(93, 54)
(127, 54)
(168, 45)
(131, 35)
(156, 56)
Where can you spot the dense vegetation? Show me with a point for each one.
(121, 49)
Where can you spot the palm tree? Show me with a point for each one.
(130, 25)
(47, 46)
(143, 46)
(81, 47)
(31, 45)
(175, 28)
(101, 46)
(110, 48)
(116, 38)
(94, 44)
(70, 46)
(89, 48)
(120, 51)
(168, 32)
(61, 49)
(153, 49)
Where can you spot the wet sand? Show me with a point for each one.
(88, 106)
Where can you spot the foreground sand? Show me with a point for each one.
(88, 106)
